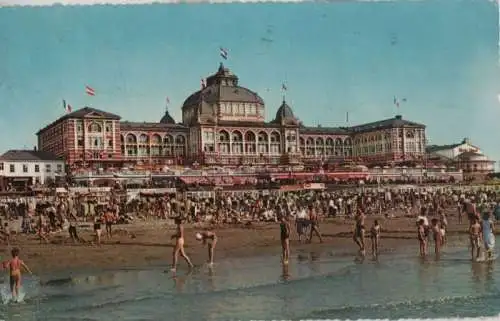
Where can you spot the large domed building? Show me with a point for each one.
(223, 124)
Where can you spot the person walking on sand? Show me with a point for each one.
(179, 246)
(14, 266)
(208, 238)
(285, 239)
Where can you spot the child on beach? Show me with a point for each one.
(285, 239)
(437, 235)
(475, 235)
(422, 237)
(210, 238)
(14, 266)
(179, 246)
(375, 238)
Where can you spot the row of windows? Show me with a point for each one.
(36, 168)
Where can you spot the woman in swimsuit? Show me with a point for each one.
(179, 246)
(98, 228)
(210, 238)
(285, 239)
(15, 265)
(359, 232)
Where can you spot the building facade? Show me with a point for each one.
(22, 168)
(223, 124)
(464, 156)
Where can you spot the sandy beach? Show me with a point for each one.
(148, 243)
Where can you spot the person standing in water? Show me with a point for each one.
(437, 235)
(422, 237)
(210, 238)
(285, 239)
(179, 246)
(475, 234)
(359, 232)
(375, 238)
(14, 266)
(488, 235)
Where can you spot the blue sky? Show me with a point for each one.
(442, 56)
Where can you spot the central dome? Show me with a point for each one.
(223, 87)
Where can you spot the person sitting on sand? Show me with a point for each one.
(359, 232)
(179, 245)
(210, 238)
(375, 238)
(285, 239)
(475, 235)
(14, 266)
(422, 237)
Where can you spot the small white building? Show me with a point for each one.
(22, 168)
(464, 156)
(452, 151)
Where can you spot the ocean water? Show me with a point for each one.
(316, 286)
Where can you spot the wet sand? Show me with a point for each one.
(149, 243)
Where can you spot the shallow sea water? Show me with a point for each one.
(316, 286)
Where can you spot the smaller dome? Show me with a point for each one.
(284, 114)
(167, 119)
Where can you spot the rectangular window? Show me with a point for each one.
(12, 168)
(25, 168)
(48, 168)
(59, 167)
(80, 142)
(1, 166)
(37, 168)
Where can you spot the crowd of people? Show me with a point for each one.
(303, 210)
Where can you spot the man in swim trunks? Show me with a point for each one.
(15, 265)
(313, 218)
(475, 234)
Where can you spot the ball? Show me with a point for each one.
(198, 236)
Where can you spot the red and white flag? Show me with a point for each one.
(90, 91)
